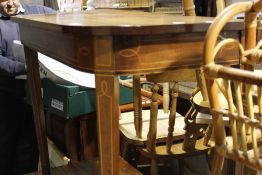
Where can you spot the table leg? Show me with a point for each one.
(37, 103)
(107, 101)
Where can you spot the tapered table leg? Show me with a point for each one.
(37, 103)
(107, 89)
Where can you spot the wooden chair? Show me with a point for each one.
(243, 89)
(157, 134)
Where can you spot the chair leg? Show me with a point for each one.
(154, 167)
(217, 164)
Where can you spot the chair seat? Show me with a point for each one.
(203, 106)
(127, 126)
(203, 118)
(177, 150)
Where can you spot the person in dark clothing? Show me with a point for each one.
(12, 89)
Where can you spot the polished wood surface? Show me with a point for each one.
(109, 43)
(116, 18)
(136, 37)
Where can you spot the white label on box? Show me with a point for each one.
(57, 104)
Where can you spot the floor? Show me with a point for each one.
(192, 167)
(197, 165)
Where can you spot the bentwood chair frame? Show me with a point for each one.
(242, 109)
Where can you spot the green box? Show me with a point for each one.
(71, 101)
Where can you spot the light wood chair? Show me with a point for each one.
(243, 89)
(159, 134)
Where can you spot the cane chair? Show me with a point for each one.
(243, 89)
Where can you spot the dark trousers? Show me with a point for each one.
(12, 121)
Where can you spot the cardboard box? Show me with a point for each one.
(67, 101)
(71, 101)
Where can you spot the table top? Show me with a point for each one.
(119, 22)
(140, 40)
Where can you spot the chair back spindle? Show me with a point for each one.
(137, 106)
(172, 117)
(166, 98)
(151, 142)
(189, 7)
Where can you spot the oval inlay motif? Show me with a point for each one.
(104, 87)
(129, 52)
